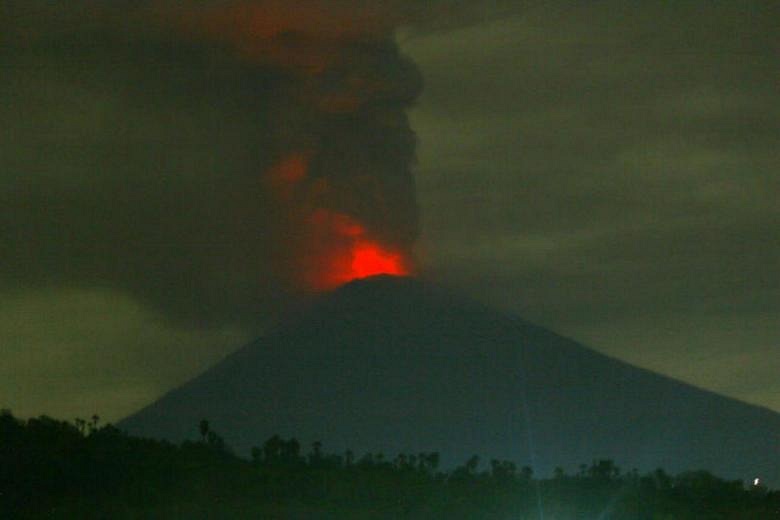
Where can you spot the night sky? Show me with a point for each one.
(171, 177)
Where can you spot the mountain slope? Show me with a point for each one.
(395, 365)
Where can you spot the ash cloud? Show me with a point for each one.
(140, 141)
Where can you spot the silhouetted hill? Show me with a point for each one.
(54, 469)
(395, 365)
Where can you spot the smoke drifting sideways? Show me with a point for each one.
(212, 159)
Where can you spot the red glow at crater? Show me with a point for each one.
(369, 259)
(350, 254)
(332, 247)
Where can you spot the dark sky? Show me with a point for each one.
(609, 170)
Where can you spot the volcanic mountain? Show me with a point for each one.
(393, 365)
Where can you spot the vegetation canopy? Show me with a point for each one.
(57, 469)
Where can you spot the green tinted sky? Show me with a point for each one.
(608, 170)
(612, 172)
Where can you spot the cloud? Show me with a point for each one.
(75, 352)
(618, 164)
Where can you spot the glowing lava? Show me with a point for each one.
(334, 247)
(369, 259)
(349, 254)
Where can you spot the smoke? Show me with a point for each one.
(213, 158)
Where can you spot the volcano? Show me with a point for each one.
(392, 364)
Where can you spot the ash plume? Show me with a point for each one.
(209, 158)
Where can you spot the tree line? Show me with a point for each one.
(57, 469)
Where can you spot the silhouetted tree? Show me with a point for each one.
(472, 464)
(291, 451)
(203, 427)
(93, 425)
(257, 455)
(49, 468)
(273, 450)
(215, 441)
(315, 457)
(603, 469)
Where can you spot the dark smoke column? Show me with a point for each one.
(344, 182)
(211, 158)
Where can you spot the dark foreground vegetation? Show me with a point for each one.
(55, 469)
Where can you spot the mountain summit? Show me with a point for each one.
(391, 365)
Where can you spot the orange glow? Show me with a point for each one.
(331, 248)
(361, 259)
(329, 222)
(369, 259)
(290, 169)
(347, 253)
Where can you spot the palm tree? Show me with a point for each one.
(272, 449)
(315, 457)
(204, 429)
(94, 423)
